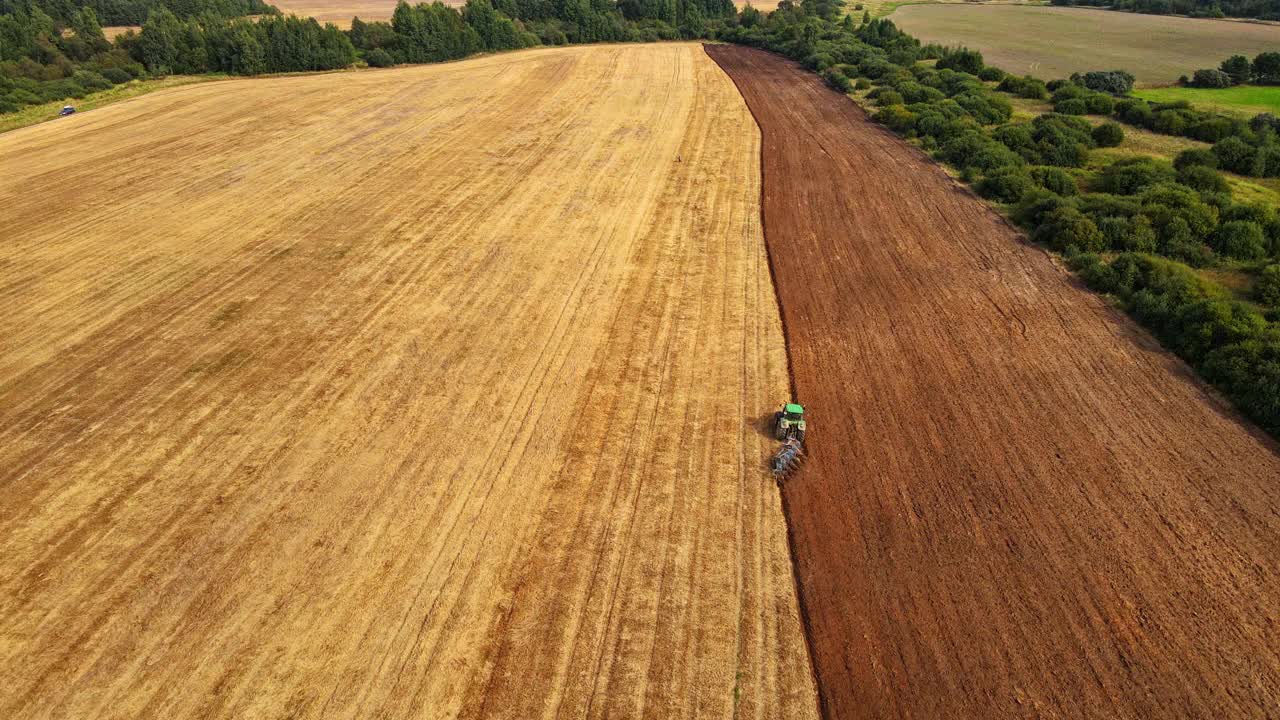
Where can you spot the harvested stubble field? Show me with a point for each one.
(340, 12)
(419, 393)
(1053, 42)
(1016, 504)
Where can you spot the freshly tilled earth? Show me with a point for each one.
(1016, 504)
(432, 392)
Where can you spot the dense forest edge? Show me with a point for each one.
(1147, 231)
(1254, 9)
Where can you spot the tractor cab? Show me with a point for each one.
(789, 422)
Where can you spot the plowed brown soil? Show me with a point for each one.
(1016, 504)
(430, 392)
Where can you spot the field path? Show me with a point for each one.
(429, 392)
(1016, 504)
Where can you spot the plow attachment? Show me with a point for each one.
(789, 456)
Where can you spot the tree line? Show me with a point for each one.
(1264, 69)
(135, 12)
(238, 46)
(55, 49)
(1259, 9)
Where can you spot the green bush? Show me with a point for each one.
(991, 74)
(21, 96)
(1072, 106)
(61, 89)
(1068, 91)
(379, 58)
(862, 84)
(1128, 234)
(984, 107)
(117, 76)
(1114, 82)
(1066, 228)
(1240, 239)
(1204, 179)
(1099, 104)
(1024, 87)
(1235, 155)
(1169, 122)
(1208, 78)
(90, 80)
(1131, 176)
(1195, 157)
(1135, 112)
(885, 97)
(897, 118)
(1055, 180)
(837, 80)
(1108, 134)
(1267, 289)
(961, 60)
(1166, 202)
(1006, 184)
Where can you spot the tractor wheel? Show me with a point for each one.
(779, 432)
(799, 436)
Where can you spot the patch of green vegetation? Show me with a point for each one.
(1240, 100)
(33, 114)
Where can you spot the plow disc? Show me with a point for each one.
(789, 456)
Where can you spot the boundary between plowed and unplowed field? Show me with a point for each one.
(791, 380)
(1016, 503)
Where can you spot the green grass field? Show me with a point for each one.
(1243, 99)
(33, 114)
(1053, 42)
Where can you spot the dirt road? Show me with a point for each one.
(429, 392)
(1016, 504)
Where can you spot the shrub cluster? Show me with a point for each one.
(1178, 118)
(1229, 344)
(1072, 99)
(1024, 87)
(1114, 82)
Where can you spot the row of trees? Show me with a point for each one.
(46, 56)
(1262, 9)
(135, 12)
(1155, 212)
(435, 32)
(239, 45)
(1239, 70)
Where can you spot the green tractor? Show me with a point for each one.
(789, 422)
